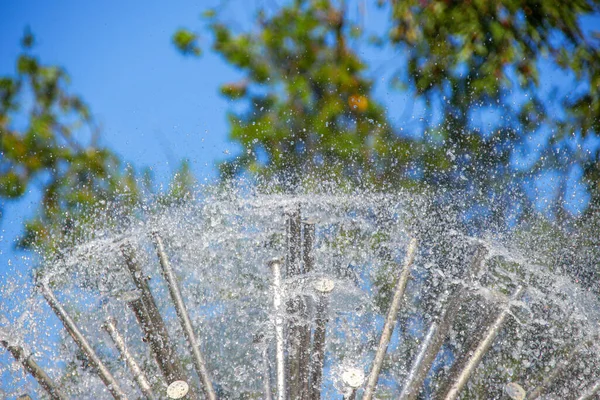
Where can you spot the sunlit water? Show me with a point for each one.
(219, 246)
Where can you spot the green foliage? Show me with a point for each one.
(186, 42)
(479, 53)
(56, 151)
(310, 106)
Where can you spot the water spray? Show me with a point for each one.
(80, 340)
(275, 265)
(323, 287)
(184, 319)
(31, 366)
(390, 321)
(110, 326)
(457, 298)
(463, 377)
(144, 307)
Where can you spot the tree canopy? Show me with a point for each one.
(48, 141)
(311, 105)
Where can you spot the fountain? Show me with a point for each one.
(324, 295)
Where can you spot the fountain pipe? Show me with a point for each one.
(151, 322)
(267, 376)
(409, 386)
(110, 326)
(457, 298)
(390, 320)
(481, 350)
(184, 318)
(295, 305)
(308, 239)
(323, 288)
(275, 266)
(308, 234)
(73, 330)
(35, 370)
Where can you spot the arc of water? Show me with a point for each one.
(155, 331)
(275, 266)
(110, 326)
(73, 330)
(35, 370)
(390, 321)
(481, 349)
(445, 323)
(184, 318)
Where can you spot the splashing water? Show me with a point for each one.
(477, 318)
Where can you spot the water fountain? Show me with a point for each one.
(356, 295)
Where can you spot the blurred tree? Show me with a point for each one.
(48, 140)
(463, 57)
(311, 106)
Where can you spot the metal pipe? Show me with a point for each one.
(481, 350)
(35, 370)
(457, 298)
(73, 330)
(267, 373)
(156, 345)
(308, 239)
(110, 326)
(184, 318)
(151, 322)
(275, 266)
(390, 320)
(323, 287)
(295, 305)
(409, 386)
(308, 235)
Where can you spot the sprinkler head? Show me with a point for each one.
(353, 377)
(324, 285)
(274, 261)
(515, 391)
(177, 389)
